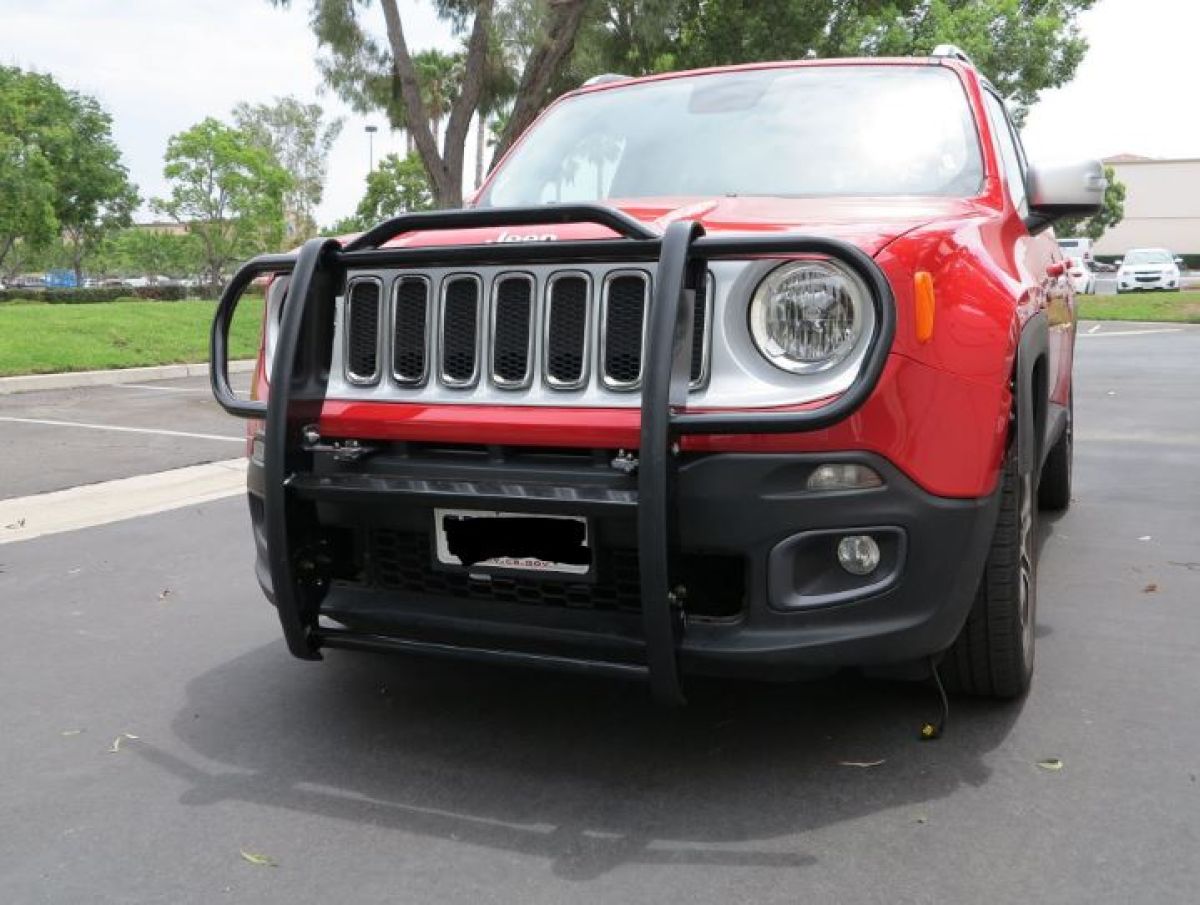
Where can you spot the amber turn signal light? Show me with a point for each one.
(923, 305)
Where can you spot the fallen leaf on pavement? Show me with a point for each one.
(19, 523)
(860, 763)
(1050, 763)
(68, 732)
(1150, 588)
(258, 860)
(116, 745)
(1144, 537)
(165, 593)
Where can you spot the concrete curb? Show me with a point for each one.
(71, 380)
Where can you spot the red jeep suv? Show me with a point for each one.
(759, 371)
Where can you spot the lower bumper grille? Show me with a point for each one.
(400, 560)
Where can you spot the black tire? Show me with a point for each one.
(993, 655)
(1054, 486)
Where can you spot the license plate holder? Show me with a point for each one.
(529, 544)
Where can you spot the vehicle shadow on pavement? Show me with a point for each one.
(588, 775)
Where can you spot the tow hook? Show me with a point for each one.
(625, 462)
(343, 450)
(351, 451)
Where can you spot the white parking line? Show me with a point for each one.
(146, 386)
(25, 518)
(47, 422)
(1135, 332)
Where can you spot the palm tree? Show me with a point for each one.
(499, 88)
(440, 75)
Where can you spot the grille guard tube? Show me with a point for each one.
(681, 256)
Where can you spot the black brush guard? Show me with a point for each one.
(681, 254)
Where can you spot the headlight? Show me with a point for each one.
(808, 316)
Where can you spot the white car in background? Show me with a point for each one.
(1077, 247)
(1148, 268)
(1081, 276)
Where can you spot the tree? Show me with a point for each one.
(296, 134)
(1112, 212)
(438, 75)
(29, 137)
(142, 251)
(499, 88)
(227, 190)
(95, 195)
(1023, 46)
(395, 186)
(373, 74)
(60, 171)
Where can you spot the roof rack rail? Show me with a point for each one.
(605, 78)
(952, 51)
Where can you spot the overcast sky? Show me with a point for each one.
(160, 66)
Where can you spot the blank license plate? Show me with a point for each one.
(513, 541)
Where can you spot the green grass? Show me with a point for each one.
(37, 338)
(1177, 307)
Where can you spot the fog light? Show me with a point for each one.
(858, 554)
(844, 477)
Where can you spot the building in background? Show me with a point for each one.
(1162, 207)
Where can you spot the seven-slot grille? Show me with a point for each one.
(466, 333)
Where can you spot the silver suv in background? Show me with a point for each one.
(1148, 268)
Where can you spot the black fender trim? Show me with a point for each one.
(1034, 346)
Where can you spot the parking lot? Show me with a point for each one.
(162, 746)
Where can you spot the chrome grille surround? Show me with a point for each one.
(461, 343)
(551, 370)
(363, 336)
(612, 335)
(498, 332)
(418, 375)
(733, 373)
(702, 320)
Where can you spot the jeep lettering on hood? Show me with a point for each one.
(869, 223)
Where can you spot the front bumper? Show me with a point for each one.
(1133, 283)
(303, 556)
(772, 604)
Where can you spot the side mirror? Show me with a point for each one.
(1064, 190)
(1179, 260)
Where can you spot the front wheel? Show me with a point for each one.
(993, 654)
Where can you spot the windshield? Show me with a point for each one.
(1149, 256)
(805, 131)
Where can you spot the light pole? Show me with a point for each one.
(371, 130)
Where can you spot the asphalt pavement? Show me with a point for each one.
(53, 439)
(159, 744)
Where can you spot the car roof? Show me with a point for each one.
(614, 84)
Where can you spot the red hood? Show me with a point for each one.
(869, 223)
